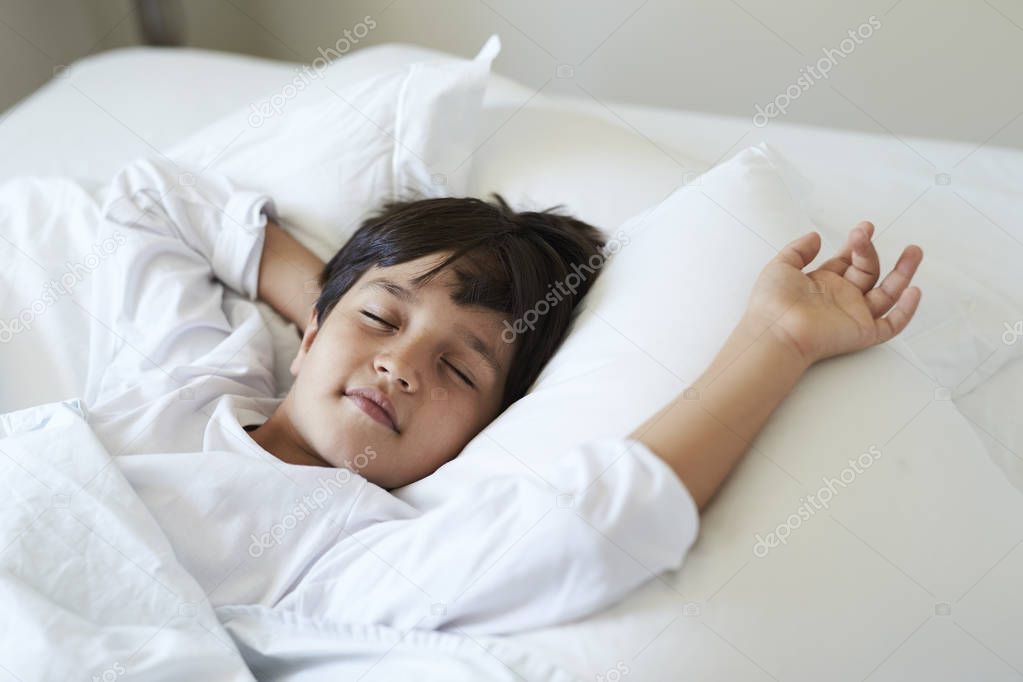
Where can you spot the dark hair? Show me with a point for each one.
(503, 260)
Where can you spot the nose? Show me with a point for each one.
(398, 369)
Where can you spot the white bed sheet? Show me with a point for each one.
(956, 200)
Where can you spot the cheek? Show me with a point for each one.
(449, 417)
(333, 358)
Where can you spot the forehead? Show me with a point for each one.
(403, 276)
(400, 281)
(413, 268)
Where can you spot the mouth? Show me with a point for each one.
(375, 405)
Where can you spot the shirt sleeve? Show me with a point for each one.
(515, 553)
(220, 223)
(174, 324)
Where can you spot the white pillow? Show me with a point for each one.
(330, 152)
(546, 154)
(654, 319)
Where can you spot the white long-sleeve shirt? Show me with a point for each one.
(180, 364)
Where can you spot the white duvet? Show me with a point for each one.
(89, 584)
(137, 510)
(102, 577)
(91, 589)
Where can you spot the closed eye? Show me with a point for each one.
(384, 323)
(378, 320)
(461, 375)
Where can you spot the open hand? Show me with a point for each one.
(836, 308)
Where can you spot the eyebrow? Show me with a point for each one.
(393, 288)
(409, 296)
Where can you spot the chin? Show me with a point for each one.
(362, 453)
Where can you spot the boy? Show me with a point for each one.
(802, 328)
(402, 361)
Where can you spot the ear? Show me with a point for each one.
(311, 329)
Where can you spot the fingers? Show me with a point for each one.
(841, 261)
(866, 266)
(895, 321)
(857, 261)
(882, 298)
(800, 252)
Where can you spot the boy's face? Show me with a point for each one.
(418, 348)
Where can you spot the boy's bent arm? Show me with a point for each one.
(223, 225)
(288, 275)
(705, 430)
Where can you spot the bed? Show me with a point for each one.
(751, 622)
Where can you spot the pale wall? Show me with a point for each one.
(939, 68)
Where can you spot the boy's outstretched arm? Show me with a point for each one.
(793, 319)
(703, 432)
(288, 275)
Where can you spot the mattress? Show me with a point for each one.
(961, 201)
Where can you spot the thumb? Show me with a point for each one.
(801, 251)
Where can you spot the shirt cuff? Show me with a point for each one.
(239, 246)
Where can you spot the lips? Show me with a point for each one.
(375, 404)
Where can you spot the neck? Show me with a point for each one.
(278, 436)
